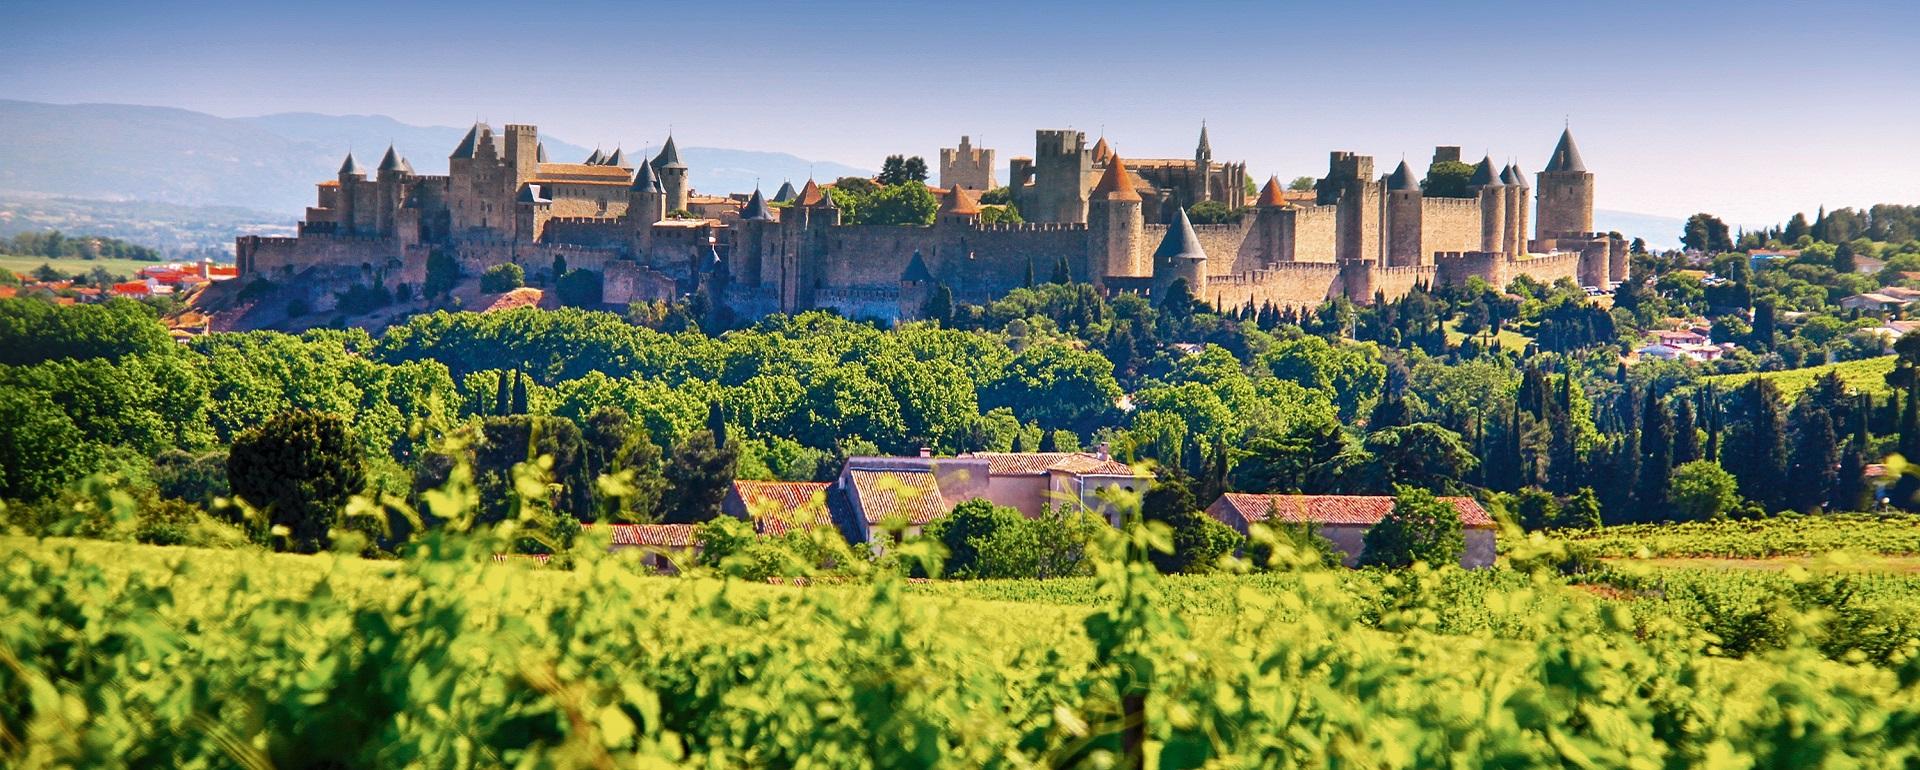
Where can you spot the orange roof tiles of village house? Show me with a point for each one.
(777, 506)
(1364, 510)
(655, 535)
(1116, 184)
(911, 494)
(1040, 463)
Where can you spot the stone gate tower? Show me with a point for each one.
(1565, 194)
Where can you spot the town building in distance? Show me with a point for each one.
(1120, 224)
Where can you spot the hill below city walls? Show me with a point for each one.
(133, 153)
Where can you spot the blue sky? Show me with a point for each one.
(1748, 109)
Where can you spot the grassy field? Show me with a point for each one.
(118, 267)
(1792, 536)
(1864, 376)
(1508, 338)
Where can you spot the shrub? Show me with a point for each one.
(1420, 528)
(579, 288)
(1703, 491)
(502, 278)
(966, 529)
(298, 469)
(1536, 508)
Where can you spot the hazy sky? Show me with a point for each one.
(1748, 109)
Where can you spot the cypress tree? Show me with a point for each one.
(1564, 464)
(502, 398)
(519, 392)
(1910, 424)
(1850, 490)
(1686, 440)
(717, 423)
(1756, 451)
(1656, 459)
(1812, 461)
(1029, 279)
(1061, 275)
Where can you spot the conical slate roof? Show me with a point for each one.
(596, 158)
(470, 145)
(1566, 155)
(1519, 177)
(616, 159)
(960, 202)
(643, 179)
(916, 271)
(1484, 175)
(669, 156)
(406, 165)
(352, 166)
(540, 152)
(1509, 177)
(390, 161)
(1402, 178)
(785, 193)
(1180, 243)
(1116, 184)
(756, 209)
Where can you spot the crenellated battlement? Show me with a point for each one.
(1031, 227)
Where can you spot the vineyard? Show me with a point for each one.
(115, 655)
(1889, 534)
(1867, 375)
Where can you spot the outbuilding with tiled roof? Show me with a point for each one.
(1345, 519)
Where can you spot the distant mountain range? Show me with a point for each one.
(270, 163)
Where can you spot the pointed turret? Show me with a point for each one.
(810, 195)
(406, 165)
(351, 166)
(1484, 175)
(540, 152)
(1520, 177)
(1181, 242)
(1102, 151)
(916, 271)
(1508, 177)
(1270, 195)
(390, 163)
(616, 159)
(470, 145)
(596, 158)
(1402, 179)
(1116, 184)
(959, 202)
(785, 194)
(756, 208)
(669, 156)
(644, 180)
(1566, 155)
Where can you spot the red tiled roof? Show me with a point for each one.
(884, 494)
(1040, 463)
(132, 287)
(653, 535)
(959, 201)
(810, 195)
(1102, 151)
(780, 506)
(1116, 184)
(1364, 510)
(1270, 195)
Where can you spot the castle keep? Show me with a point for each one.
(1119, 223)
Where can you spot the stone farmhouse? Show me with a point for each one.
(1118, 223)
(1345, 519)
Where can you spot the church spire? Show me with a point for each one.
(1203, 153)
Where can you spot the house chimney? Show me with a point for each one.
(926, 451)
(1102, 454)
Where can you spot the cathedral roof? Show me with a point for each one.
(669, 156)
(352, 166)
(1180, 243)
(390, 161)
(596, 158)
(643, 179)
(785, 194)
(1402, 178)
(1102, 151)
(1484, 175)
(960, 202)
(810, 195)
(470, 145)
(618, 158)
(1270, 194)
(1116, 184)
(756, 209)
(917, 271)
(1566, 155)
(1206, 147)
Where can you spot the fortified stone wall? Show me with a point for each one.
(1395, 282)
(1285, 284)
(623, 281)
(595, 232)
(988, 261)
(586, 200)
(1449, 224)
(1314, 231)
